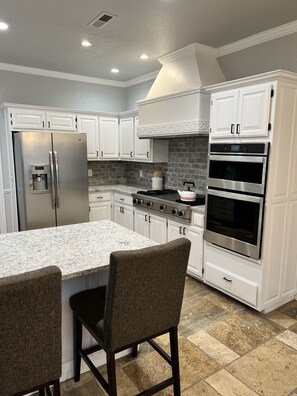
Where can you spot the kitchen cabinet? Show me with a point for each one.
(123, 210)
(240, 113)
(89, 124)
(34, 119)
(149, 150)
(109, 137)
(126, 135)
(100, 206)
(195, 235)
(150, 226)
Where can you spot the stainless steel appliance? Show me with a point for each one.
(235, 196)
(166, 202)
(51, 179)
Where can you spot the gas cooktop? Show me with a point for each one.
(167, 202)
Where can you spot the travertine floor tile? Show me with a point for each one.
(270, 369)
(281, 319)
(289, 309)
(244, 331)
(215, 349)
(225, 302)
(227, 385)
(289, 338)
(200, 389)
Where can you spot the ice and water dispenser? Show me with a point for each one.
(39, 179)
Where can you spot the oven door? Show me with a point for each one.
(237, 173)
(234, 221)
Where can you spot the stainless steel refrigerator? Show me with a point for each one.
(51, 179)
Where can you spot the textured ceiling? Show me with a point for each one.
(46, 34)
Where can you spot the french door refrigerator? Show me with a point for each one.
(51, 179)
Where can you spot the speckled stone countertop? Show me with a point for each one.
(77, 249)
(199, 208)
(116, 187)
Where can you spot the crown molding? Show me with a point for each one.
(138, 80)
(256, 39)
(55, 74)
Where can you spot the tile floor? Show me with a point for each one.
(225, 349)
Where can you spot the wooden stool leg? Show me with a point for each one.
(77, 341)
(175, 362)
(57, 391)
(41, 392)
(112, 384)
(134, 350)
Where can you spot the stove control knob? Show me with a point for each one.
(174, 211)
(135, 200)
(140, 201)
(181, 213)
(162, 207)
(150, 203)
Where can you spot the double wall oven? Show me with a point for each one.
(235, 196)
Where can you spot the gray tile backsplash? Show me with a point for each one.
(187, 161)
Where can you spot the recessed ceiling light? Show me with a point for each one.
(3, 26)
(143, 56)
(86, 43)
(114, 70)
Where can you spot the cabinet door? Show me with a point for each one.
(128, 217)
(158, 228)
(109, 137)
(142, 146)
(26, 119)
(254, 111)
(223, 113)
(117, 213)
(126, 133)
(195, 235)
(89, 124)
(100, 211)
(56, 121)
(175, 230)
(141, 224)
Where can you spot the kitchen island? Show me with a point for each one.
(82, 253)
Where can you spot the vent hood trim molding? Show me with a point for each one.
(172, 96)
(175, 129)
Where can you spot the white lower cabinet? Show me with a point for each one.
(123, 211)
(150, 226)
(195, 235)
(100, 206)
(232, 274)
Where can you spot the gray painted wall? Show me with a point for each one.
(275, 54)
(46, 91)
(137, 92)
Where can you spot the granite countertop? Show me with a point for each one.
(77, 249)
(116, 187)
(199, 208)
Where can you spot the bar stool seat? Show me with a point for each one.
(142, 300)
(30, 332)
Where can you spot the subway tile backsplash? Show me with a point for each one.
(187, 161)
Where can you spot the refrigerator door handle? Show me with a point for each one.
(52, 178)
(57, 180)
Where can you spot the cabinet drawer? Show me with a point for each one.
(123, 198)
(231, 284)
(100, 196)
(198, 219)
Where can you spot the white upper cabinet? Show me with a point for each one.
(142, 146)
(89, 124)
(34, 119)
(109, 138)
(241, 112)
(26, 119)
(58, 121)
(126, 133)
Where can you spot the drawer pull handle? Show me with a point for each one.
(99, 197)
(122, 199)
(180, 230)
(184, 230)
(227, 280)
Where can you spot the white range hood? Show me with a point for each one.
(176, 104)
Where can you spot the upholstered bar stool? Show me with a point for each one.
(142, 300)
(30, 332)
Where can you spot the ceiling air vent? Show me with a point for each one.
(101, 20)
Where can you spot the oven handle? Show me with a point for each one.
(239, 158)
(236, 196)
